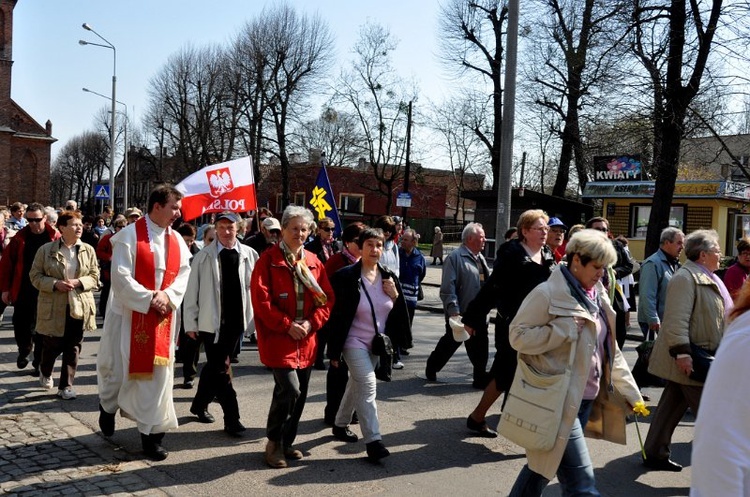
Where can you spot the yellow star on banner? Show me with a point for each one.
(318, 201)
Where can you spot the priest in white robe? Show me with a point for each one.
(135, 366)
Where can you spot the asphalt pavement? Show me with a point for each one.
(50, 446)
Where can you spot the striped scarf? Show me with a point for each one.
(303, 279)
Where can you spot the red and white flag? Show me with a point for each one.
(228, 186)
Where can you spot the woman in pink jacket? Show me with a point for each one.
(292, 299)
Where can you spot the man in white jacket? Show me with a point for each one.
(217, 306)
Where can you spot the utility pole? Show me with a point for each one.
(407, 169)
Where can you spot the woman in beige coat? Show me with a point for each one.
(66, 273)
(572, 308)
(697, 302)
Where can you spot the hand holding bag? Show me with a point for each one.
(702, 360)
(533, 409)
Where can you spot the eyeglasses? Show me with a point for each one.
(557, 230)
(35, 219)
(744, 254)
(541, 228)
(602, 229)
(327, 230)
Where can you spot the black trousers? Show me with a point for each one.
(69, 345)
(189, 354)
(336, 380)
(216, 375)
(24, 322)
(477, 347)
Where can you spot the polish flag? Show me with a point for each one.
(228, 186)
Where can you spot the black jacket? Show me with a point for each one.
(346, 288)
(316, 247)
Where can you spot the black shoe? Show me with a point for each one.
(234, 428)
(481, 428)
(188, 384)
(22, 362)
(430, 374)
(203, 415)
(376, 451)
(662, 465)
(234, 360)
(253, 339)
(404, 352)
(35, 371)
(106, 422)
(152, 446)
(344, 434)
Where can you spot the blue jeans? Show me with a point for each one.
(575, 473)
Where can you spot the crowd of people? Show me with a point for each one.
(304, 295)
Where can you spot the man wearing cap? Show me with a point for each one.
(135, 365)
(270, 231)
(132, 214)
(217, 309)
(556, 238)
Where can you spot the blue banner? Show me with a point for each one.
(323, 201)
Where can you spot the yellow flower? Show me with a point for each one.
(640, 408)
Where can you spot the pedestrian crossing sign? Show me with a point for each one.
(102, 191)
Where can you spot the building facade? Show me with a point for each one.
(25, 145)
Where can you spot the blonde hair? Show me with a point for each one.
(591, 245)
(528, 218)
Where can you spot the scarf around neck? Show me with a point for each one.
(302, 275)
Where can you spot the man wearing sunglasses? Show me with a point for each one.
(16, 287)
(322, 245)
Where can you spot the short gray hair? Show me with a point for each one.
(410, 232)
(51, 214)
(700, 241)
(293, 211)
(470, 229)
(591, 245)
(669, 234)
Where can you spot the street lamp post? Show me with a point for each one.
(109, 45)
(125, 153)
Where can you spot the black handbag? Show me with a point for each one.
(702, 360)
(381, 347)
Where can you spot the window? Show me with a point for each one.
(349, 202)
(299, 199)
(640, 215)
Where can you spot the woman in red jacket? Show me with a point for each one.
(292, 299)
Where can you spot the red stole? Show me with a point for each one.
(150, 332)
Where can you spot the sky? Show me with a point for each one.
(51, 68)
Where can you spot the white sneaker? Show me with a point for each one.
(398, 365)
(45, 382)
(67, 393)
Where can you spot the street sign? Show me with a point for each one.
(403, 199)
(101, 191)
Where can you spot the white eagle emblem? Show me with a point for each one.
(220, 182)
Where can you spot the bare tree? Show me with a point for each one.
(293, 53)
(472, 43)
(335, 133)
(457, 141)
(188, 112)
(574, 66)
(378, 98)
(686, 42)
(78, 167)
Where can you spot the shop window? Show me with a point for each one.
(349, 202)
(640, 215)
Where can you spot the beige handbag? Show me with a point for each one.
(76, 304)
(533, 410)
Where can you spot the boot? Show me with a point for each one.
(106, 422)
(275, 455)
(152, 446)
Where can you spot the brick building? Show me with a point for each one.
(25, 145)
(432, 190)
